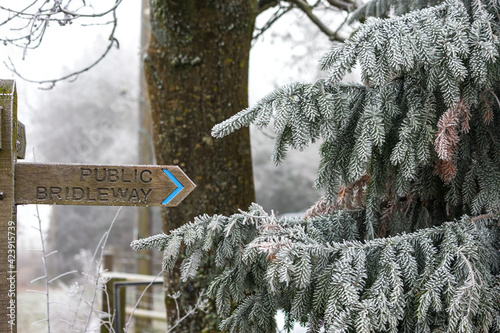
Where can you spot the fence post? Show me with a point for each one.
(8, 223)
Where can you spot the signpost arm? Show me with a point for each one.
(8, 224)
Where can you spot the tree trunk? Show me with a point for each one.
(197, 75)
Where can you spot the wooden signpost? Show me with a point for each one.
(8, 226)
(65, 184)
(101, 185)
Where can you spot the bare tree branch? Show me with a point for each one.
(73, 75)
(56, 9)
(17, 14)
(341, 5)
(282, 10)
(33, 20)
(307, 9)
(76, 15)
(266, 4)
(347, 5)
(36, 16)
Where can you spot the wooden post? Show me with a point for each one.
(108, 260)
(8, 224)
(109, 306)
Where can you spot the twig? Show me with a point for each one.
(61, 275)
(76, 15)
(348, 5)
(16, 14)
(282, 10)
(175, 297)
(101, 243)
(307, 9)
(482, 217)
(45, 269)
(201, 304)
(303, 5)
(57, 8)
(139, 300)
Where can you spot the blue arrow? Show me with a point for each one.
(176, 191)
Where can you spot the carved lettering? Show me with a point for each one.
(103, 177)
(84, 172)
(119, 193)
(134, 196)
(104, 185)
(146, 178)
(41, 193)
(89, 197)
(146, 194)
(55, 192)
(102, 194)
(124, 180)
(77, 193)
(113, 175)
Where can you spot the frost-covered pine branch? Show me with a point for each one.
(316, 270)
(406, 157)
(418, 69)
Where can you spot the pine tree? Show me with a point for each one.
(406, 236)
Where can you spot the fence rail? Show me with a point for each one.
(114, 300)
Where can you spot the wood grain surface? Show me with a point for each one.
(100, 185)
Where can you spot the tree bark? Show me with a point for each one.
(197, 75)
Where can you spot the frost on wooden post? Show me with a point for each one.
(8, 223)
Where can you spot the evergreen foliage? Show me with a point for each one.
(435, 279)
(412, 147)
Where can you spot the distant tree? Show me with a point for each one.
(406, 238)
